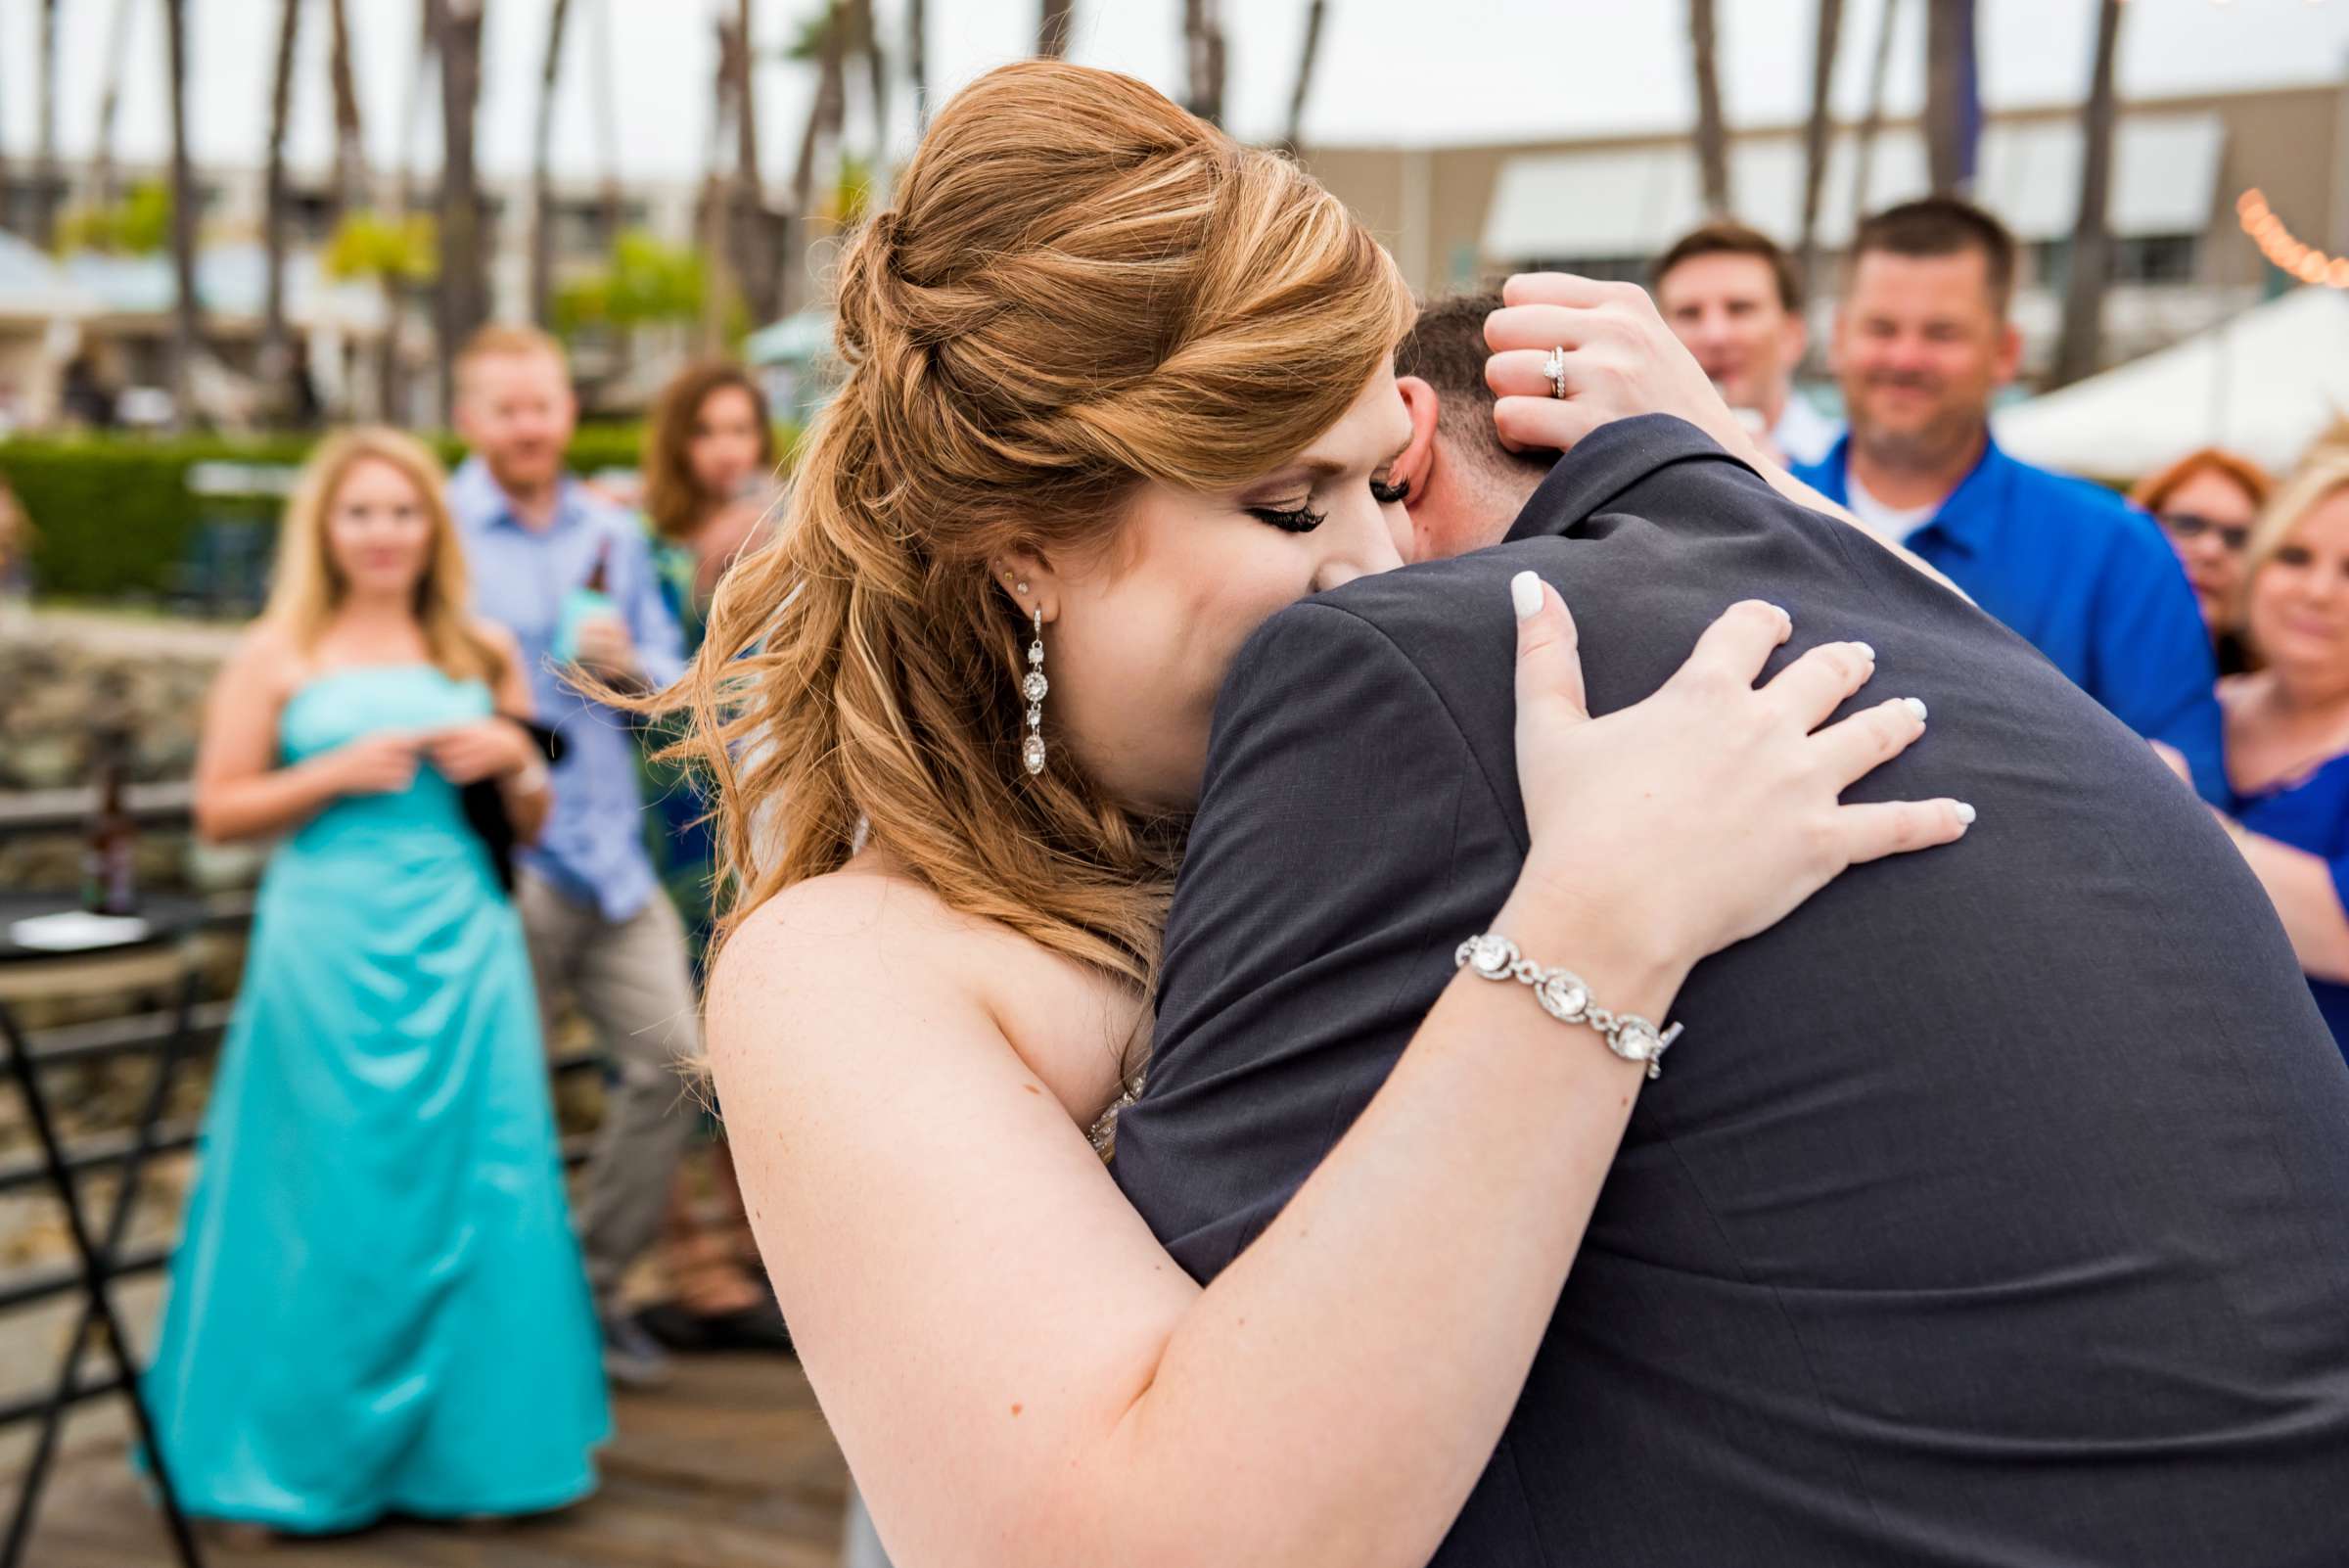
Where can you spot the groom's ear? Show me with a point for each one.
(1415, 464)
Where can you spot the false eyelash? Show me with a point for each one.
(1386, 495)
(1297, 520)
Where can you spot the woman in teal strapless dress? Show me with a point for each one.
(378, 1304)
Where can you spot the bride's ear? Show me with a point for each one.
(1416, 461)
(1027, 580)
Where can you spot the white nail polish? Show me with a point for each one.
(1865, 652)
(1965, 814)
(1525, 595)
(1916, 706)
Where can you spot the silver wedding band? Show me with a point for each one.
(1554, 367)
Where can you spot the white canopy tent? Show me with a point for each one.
(2262, 382)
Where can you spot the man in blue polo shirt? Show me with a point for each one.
(1922, 342)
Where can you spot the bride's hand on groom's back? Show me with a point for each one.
(1711, 809)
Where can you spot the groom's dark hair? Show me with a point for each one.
(1445, 348)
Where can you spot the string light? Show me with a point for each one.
(2285, 253)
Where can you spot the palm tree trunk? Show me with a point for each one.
(1865, 153)
(2090, 264)
(917, 61)
(350, 145)
(824, 115)
(275, 359)
(542, 185)
(187, 324)
(44, 158)
(1814, 133)
(756, 252)
(713, 213)
(461, 296)
(1712, 134)
(1950, 110)
(1204, 55)
(110, 105)
(1054, 18)
(876, 78)
(408, 185)
(1315, 15)
(607, 132)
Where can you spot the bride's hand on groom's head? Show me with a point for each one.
(1711, 809)
(1621, 360)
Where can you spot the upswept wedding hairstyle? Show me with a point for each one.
(1080, 289)
(306, 587)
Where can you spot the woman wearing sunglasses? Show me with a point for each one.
(2206, 502)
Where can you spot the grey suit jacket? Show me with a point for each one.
(1995, 1207)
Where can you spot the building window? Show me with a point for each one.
(2145, 258)
(1601, 268)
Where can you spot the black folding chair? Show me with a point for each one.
(155, 953)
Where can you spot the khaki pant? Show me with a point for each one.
(634, 981)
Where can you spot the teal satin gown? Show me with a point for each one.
(378, 1304)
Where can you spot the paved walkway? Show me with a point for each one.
(729, 1467)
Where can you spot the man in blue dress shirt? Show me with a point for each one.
(599, 926)
(1922, 342)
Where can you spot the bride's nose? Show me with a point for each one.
(1369, 547)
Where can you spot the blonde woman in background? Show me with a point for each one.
(1121, 389)
(2287, 724)
(377, 1305)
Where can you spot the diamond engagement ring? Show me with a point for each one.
(1554, 367)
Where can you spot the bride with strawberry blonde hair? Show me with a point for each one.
(1119, 390)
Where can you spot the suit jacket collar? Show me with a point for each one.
(1608, 461)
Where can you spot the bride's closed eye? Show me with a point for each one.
(1303, 519)
(1298, 519)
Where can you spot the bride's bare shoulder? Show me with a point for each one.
(843, 924)
(870, 959)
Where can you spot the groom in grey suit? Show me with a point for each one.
(1994, 1208)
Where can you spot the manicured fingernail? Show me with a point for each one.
(1865, 652)
(1525, 594)
(1965, 814)
(1916, 706)
(1782, 610)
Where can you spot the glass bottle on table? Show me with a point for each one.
(109, 880)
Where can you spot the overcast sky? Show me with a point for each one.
(1391, 70)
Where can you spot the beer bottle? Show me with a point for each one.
(588, 600)
(110, 884)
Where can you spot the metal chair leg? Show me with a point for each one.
(96, 1266)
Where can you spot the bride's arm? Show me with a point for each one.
(1017, 1370)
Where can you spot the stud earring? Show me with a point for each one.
(1031, 751)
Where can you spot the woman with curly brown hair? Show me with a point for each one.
(709, 479)
(1119, 390)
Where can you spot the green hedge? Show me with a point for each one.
(112, 517)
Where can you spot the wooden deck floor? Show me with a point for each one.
(729, 1467)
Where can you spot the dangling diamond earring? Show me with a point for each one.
(1031, 753)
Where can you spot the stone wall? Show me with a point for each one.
(62, 672)
(66, 674)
